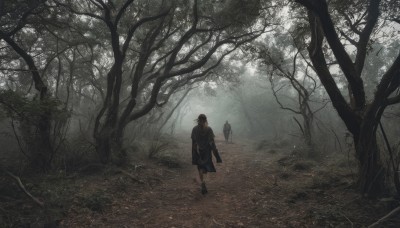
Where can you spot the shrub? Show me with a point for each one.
(170, 160)
(324, 180)
(303, 165)
(39, 126)
(97, 201)
(157, 148)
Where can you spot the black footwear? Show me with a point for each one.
(203, 189)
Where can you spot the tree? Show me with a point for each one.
(170, 43)
(294, 73)
(360, 115)
(15, 16)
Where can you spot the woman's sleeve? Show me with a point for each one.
(195, 154)
(212, 142)
(212, 136)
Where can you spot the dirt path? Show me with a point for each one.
(182, 205)
(249, 189)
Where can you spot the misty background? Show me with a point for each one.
(104, 94)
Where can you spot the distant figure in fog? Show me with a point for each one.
(227, 131)
(202, 146)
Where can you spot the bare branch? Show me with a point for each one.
(137, 25)
(92, 15)
(274, 92)
(122, 11)
(348, 38)
(372, 19)
(393, 100)
(39, 84)
(22, 187)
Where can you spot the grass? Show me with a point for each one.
(164, 152)
(303, 165)
(97, 201)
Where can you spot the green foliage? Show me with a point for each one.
(12, 10)
(38, 125)
(392, 9)
(348, 5)
(19, 107)
(238, 13)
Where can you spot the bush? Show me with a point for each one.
(164, 152)
(266, 144)
(303, 166)
(121, 184)
(97, 202)
(170, 160)
(77, 153)
(324, 180)
(39, 126)
(284, 175)
(157, 148)
(287, 160)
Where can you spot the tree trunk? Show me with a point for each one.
(306, 130)
(122, 156)
(106, 133)
(371, 180)
(307, 123)
(308, 135)
(42, 147)
(109, 141)
(103, 145)
(43, 151)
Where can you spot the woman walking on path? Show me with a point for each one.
(202, 146)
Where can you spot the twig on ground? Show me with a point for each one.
(220, 224)
(22, 187)
(380, 223)
(169, 171)
(156, 179)
(131, 176)
(352, 225)
(5, 214)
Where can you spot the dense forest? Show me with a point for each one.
(98, 99)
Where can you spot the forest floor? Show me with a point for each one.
(268, 186)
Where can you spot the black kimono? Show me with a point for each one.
(202, 146)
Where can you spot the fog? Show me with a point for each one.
(101, 103)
